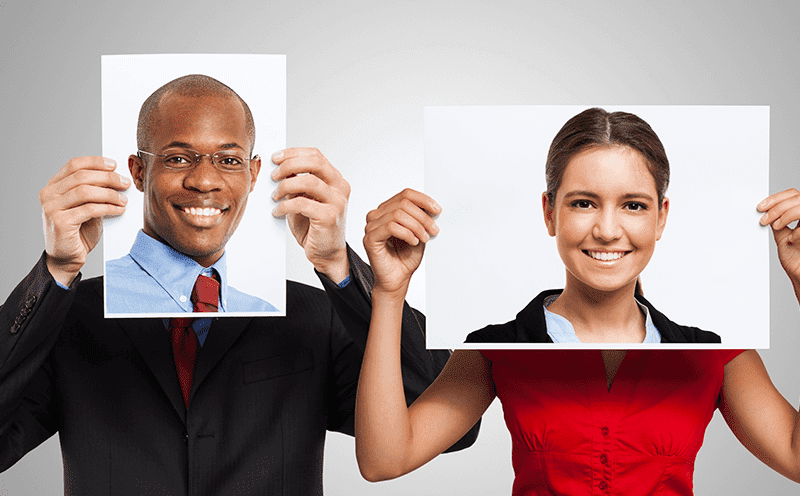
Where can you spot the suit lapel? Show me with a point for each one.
(149, 336)
(221, 336)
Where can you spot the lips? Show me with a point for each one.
(201, 213)
(606, 256)
(205, 212)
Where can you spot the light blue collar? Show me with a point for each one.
(174, 271)
(560, 329)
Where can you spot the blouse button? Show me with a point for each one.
(604, 430)
(604, 459)
(602, 485)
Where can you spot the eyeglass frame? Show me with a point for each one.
(197, 158)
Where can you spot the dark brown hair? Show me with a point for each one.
(193, 85)
(597, 128)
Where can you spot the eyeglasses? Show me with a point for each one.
(185, 159)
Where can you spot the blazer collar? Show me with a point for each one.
(221, 336)
(531, 326)
(152, 342)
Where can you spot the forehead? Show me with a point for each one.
(199, 119)
(610, 170)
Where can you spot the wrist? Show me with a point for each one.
(335, 267)
(387, 296)
(63, 273)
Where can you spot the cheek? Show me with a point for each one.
(643, 231)
(573, 227)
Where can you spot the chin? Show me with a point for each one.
(604, 284)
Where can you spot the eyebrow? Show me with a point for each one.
(182, 144)
(595, 196)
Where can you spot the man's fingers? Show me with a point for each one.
(85, 193)
(308, 185)
(104, 179)
(82, 163)
(304, 206)
(86, 212)
(296, 161)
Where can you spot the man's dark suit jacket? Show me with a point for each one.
(264, 392)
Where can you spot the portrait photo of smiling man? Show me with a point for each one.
(195, 168)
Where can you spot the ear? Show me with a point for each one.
(547, 210)
(255, 168)
(662, 218)
(137, 168)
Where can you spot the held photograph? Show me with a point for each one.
(634, 214)
(198, 234)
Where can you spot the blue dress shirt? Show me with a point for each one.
(155, 278)
(560, 329)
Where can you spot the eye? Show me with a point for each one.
(636, 206)
(232, 162)
(177, 161)
(581, 204)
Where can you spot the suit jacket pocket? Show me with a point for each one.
(268, 368)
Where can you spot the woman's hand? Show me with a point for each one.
(395, 238)
(780, 210)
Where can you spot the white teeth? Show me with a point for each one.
(205, 212)
(606, 255)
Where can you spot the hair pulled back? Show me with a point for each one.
(597, 128)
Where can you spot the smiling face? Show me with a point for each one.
(605, 218)
(195, 211)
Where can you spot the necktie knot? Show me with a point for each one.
(205, 294)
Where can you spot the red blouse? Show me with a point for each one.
(572, 436)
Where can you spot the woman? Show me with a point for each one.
(608, 214)
(580, 421)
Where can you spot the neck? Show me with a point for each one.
(601, 316)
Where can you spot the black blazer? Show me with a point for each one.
(265, 390)
(530, 327)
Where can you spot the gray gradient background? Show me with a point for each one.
(359, 74)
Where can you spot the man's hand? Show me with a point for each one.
(395, 238)
(314, 202)
(73, 204)
(782, 209)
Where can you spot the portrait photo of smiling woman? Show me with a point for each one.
(606, 206)
(626, 228)
(201, 237)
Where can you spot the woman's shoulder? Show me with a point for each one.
(676, 333)
(528, 327)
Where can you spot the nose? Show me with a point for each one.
(204, 176)
(607, 226)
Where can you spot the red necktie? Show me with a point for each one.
(205, 297)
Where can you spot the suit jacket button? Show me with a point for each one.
(185, 437)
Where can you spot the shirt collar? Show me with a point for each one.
(561, 330)
(174, 271)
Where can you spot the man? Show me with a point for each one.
(252, 416)
(190, 210)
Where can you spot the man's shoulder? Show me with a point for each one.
(121, 263)
(239, 301)
(302, 298)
